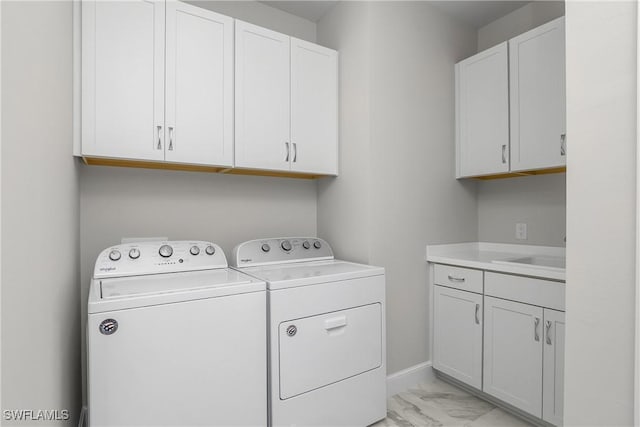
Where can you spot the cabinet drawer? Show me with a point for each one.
(543, 293)
(458, 277)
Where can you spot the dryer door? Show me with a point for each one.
(324, 349)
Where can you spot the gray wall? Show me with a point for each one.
(538, 201)
(601, 201)
(40, 286)
(397, 191)
(227, 209)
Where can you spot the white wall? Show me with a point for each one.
(40, 284)
(601, 197)
(226, 209)
(397, 192)
(538, 201)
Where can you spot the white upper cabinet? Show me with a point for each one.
(286, 103)
(314, 114)
(123, 79)
(510, 105)
(262, 98)
(199, 86)
(537, 66)
(138, 104)
(482, 113)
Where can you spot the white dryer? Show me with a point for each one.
(327, 351)
(175, 338)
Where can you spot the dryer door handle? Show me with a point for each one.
(335, 323)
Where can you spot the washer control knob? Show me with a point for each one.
(285, 245)
(194, 250)
(210, 250)
(134, 253)
(265, 247)
(165, 251)
(114, 255)
(306, 244)
(317, 244)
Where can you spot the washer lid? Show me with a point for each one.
(282, 276)
(155, 284)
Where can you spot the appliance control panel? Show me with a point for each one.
(280, 250)
(135, 259)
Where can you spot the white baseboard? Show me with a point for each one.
(408, 378)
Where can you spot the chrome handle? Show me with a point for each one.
(477, 314)
(287, 157)
(536, 334)
(504, 153)
(295, 151)
(563, 144)
(170, 138)
(548, 331)
(159, 147)
(456, 279)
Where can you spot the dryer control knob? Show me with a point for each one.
(165, 251)
(306, 244)
(265, 248)
(317, 244)
(114, 255)
(134, 253)
(194, 250)
(285, 245)
(210, 250)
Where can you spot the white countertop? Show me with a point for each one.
(497, 257)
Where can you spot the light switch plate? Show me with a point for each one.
(521, 231)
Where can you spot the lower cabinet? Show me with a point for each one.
(458, 334)
(513, 353)
(553, 367)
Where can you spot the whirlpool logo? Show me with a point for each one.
(106, 269)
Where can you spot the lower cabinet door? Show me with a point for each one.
(457, 341)
(513, 335)
(553, 369)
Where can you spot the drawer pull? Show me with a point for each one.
(456, 279)
(477, 314)
(536, 333)
(548, 331)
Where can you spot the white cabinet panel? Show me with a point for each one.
(262, 98)
(199, 88)
(553, 370)
(314, 108)
(123, 79)
(458, 334)
(482, 113)
(513, 353)
(537, 89)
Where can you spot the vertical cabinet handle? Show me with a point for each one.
(536, 334)
(547, 326)
(295, 151)
(504, 153)
(563, 144)
(286, 144)
(170, 138)
(159, 147)
(477, 314)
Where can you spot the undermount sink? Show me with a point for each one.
(541, 261)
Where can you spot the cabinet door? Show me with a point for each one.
(482, 113)
(199, 91)
(262, 98)
(314, 108)
(537, 67)
(553, 370)
(457, 339)
(513, 353)
(123, 79)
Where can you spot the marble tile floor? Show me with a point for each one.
(437, 403)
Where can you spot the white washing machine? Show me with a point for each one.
(327, 351)
(175, 338)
